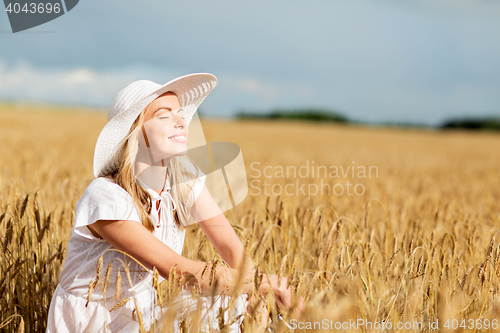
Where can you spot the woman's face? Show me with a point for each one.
(164, 130)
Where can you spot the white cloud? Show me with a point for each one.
(252, 93)
(77, 85)
(370, 99)
(81, 85)
(79, 76)
(255, 87)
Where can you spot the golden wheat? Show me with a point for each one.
(419, 245)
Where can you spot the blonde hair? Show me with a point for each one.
(120, 169)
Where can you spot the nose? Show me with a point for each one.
(181, 122)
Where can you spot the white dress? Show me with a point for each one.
(69, 310)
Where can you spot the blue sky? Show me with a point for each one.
(386, 60)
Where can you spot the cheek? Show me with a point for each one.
(159, 139)
(155, 133)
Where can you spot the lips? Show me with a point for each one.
(178, 137)
(181, 138)
(181, 134)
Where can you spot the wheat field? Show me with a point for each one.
(419, 246)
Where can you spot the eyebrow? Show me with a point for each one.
(163, 107)
(166, 108)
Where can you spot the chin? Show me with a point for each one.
(182, 153)
(177, 153)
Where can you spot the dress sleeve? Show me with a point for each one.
(103, 200)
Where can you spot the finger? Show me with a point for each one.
(286, 299)
(300, 308)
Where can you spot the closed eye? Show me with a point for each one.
(164, 115)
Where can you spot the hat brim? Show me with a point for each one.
(190, 89)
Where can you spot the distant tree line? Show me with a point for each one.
(469, 123)
(488, 123)
(297, 114)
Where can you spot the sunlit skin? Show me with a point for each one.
(163, 119)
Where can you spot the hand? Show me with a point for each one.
(284, 294)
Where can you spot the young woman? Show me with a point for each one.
(145, 193)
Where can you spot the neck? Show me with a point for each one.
(151, 175)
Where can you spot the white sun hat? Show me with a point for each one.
(190, 89)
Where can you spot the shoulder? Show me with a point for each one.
(104, 191)
(195, 178)
(104, 184)
(103, 200)
(191, 167)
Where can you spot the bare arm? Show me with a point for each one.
(218, 230)
(225, 241)
(134, 239)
